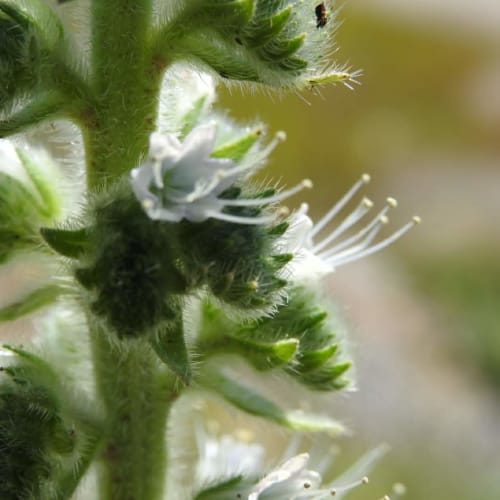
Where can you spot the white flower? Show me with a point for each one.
(340, 246)
(182, 181)
(226, 458)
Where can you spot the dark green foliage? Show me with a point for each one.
(32, 434)
(19, 51)
(130, 264)
(236, 261)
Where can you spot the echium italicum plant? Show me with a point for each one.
(174, 278)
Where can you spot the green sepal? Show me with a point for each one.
(277, 50)
(327, 377)
(281, 260)
(312, 360)
(70, 243)
(249, 401)
(169, 344)
(227, 489)
(35, 300)
(237, 148)
(293, 64)
(263, 31)
(50, 201)
(228, 13)
(279, 229)
(262, 356)
(192, 117)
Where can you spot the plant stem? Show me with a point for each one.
(137, 392)
(126, 82)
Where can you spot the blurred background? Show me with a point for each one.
(425, 314)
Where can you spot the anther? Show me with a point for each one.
(281, 135)
(333, 492)
(307, 183)
(383, 219)
(253, 285)
(392, 202)
(367, 203)
(365, 178)
(416, 219)
(364, 480)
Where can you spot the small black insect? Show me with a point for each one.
(320, 12)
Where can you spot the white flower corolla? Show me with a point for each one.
(296, 478)
(180, 180)
(343, 243)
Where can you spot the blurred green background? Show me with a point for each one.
(425, 315)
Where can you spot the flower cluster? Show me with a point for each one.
(182, 181)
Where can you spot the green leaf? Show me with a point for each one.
(35, 300)
(66, 242)
(170, 346)
(237, 148)
(251, 402)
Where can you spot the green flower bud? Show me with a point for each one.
(28, 199)
(33, 434)
(129, 264)
(28, 33)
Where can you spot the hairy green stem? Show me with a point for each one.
(137, 392)
(125, 81)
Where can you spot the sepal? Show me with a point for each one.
(69, 243)
(169, 344)
(28, 198)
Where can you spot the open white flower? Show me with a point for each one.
(180, 180)
(298, 477)
(342, 245)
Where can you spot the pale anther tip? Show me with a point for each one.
(307, 183)
(364, 480)
(147, 203)
(392, 202)
(281, 135)
(367, 202)
(283, 212)
(416, 219)
(253, 285)
(384, 219)
(333, 492)
(386, 497)
(366, 178)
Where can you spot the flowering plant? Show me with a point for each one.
(171, 264)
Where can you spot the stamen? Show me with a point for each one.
(305, 184)
(365, 179)
(379, 220)
(334, 256)
(382, 244)
(239, 219)
(359, 212)
(347, 487)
